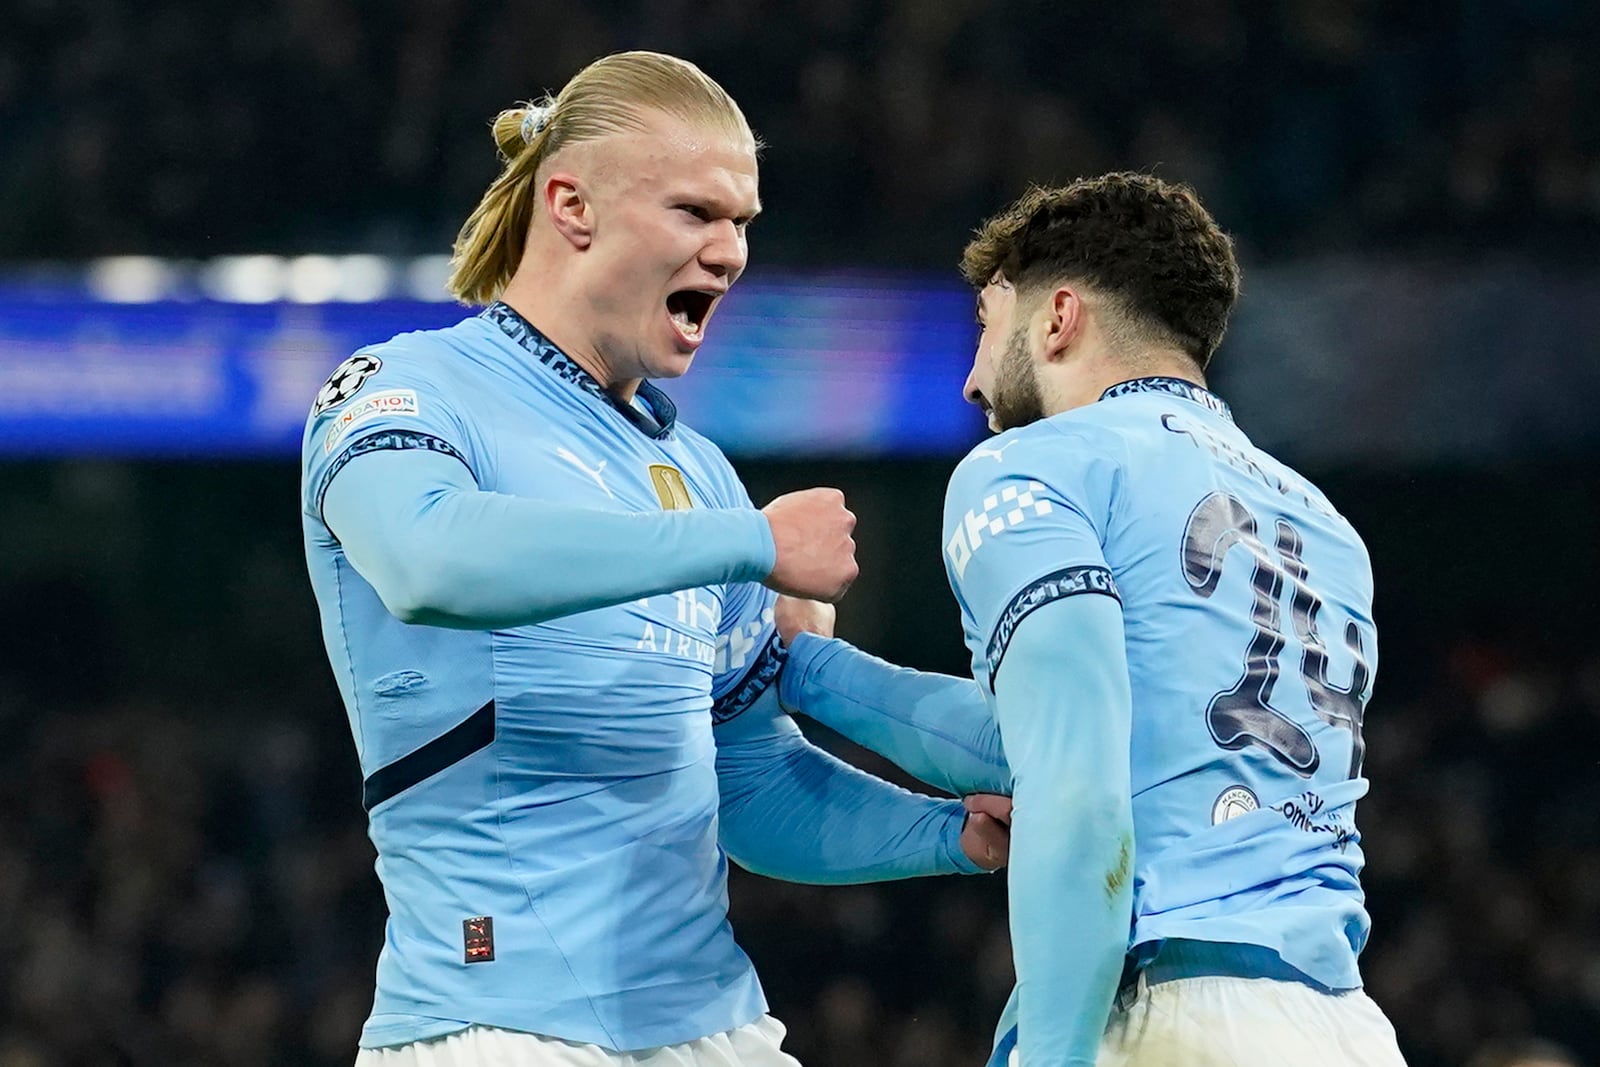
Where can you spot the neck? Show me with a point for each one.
(542, 302)
(1065, 393)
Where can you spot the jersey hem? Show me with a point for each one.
(394, 1029)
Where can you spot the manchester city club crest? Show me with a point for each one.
(345, 381)
(1234, 802)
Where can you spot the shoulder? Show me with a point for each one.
(1065, 452)
(413, 385)
(429, 353)
(431, 360)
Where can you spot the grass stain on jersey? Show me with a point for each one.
(1117, 877)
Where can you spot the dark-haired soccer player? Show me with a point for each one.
(1173, 631)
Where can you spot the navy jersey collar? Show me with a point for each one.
(1175, 387)
(526, 334)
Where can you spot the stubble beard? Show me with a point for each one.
(1017, 398)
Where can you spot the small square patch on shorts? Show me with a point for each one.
(478, 934)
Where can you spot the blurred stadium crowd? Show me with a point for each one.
(189, 127)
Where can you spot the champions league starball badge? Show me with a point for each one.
(345, 381)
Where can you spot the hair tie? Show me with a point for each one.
(534, 122)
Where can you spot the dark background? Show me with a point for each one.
(184, 873)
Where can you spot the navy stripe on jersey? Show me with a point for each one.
(1175, 387)
(388, 441)
(473, 734)
(736, 701)
(1001, 1056)
(1070, 581)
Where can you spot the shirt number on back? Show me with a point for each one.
(1244, 715)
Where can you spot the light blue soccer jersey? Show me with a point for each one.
(1247, 607)
(543, 798)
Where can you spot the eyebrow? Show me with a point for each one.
(715, 201)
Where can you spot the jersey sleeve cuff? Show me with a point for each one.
(955, 855)
(748, 536)
(756, 681)
(1057, 585)
(807, 653)
(768, 554)
(386, 440)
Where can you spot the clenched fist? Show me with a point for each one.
(816, 555)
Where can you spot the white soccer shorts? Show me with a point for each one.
(753, 1045)
(1246, 1022)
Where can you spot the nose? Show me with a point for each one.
(969, 388)
(725, 252)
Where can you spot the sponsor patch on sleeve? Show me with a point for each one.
(401, 402)
(1010, 507)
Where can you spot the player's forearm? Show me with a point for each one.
(1070, 889)
(935, 727)
(791, 811)
(1072, 861)
(439, 551)
(479, 560)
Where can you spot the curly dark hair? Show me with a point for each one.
(1147, 244)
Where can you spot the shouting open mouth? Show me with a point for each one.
(690, 310)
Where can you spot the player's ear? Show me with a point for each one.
(1063, 322)
(570, 209)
